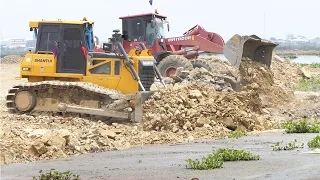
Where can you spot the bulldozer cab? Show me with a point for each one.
(144, 27)
(69, 41)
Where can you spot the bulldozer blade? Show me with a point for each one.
(252, 47)
(140, 98)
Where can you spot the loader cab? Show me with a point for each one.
(68, 41)
(144, 27)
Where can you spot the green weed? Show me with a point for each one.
(290, 146)
(55, 175)
(312, 84)
(237, 133)
(313, 65)
(237, 155)
(216, 159)
(314, 143)
(302, 127)
(212, 161)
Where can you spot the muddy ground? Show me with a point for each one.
(168, 161)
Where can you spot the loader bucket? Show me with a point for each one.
(252, 47)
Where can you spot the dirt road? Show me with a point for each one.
(168, 161)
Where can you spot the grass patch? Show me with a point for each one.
(312, 65)
(302, 127)
(217, 158)
(314, 143)
(239, 132)
(312, 84)
(290, 146)
(56, 175)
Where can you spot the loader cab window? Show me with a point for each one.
(137, 29)
(153, 33)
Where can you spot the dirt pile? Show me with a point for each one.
(286, 74)
(311, 72)
(11, 59)
(26, 138)
(255, 76)
(199, 105)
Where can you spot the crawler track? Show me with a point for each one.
(44, 97)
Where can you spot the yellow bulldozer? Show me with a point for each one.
(66, 75)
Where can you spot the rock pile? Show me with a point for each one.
(11, 59)
(286, 74)
(199, 105)
(221, 83)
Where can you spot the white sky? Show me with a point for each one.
(225, 17)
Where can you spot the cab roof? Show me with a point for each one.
(35, 24)
(141, 15)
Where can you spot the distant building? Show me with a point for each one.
(14, 43)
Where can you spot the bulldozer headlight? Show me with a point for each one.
(161, 40)
(26, 69)
(147, 63)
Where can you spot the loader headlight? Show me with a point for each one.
(161, 40)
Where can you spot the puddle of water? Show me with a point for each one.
(304, 59)
(312, 151)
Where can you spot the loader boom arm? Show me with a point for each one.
(197, 36)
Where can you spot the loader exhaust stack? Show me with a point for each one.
(252, 47)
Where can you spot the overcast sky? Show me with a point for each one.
(225, 17)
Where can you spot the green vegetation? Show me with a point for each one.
(216, 159)
(290, 146)
(236, 155)
(314, 143)
(302, 127)
(313, 65)
(239, 132)
(55, 175)
(291, 57)
(312, 84)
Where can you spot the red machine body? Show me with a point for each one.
(150, 30)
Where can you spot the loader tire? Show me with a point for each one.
(168, 65)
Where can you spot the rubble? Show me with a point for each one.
(286, 74)
(11, 59)
(199, 105)
(222, 83)
(25, 138)
(257, 77)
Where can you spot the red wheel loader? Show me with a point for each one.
(148, 31)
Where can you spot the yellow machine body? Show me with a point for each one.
(42, 67)
(65, 74)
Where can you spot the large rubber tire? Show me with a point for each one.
(169, 64)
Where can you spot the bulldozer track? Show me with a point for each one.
(50, 93)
